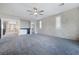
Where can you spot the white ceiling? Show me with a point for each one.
(19, 10)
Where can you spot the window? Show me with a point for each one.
(58, 22)
(40, 24)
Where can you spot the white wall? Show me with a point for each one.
(69, 25)
(33, 27)
(24, 24)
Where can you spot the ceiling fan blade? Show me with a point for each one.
(35, 8)
(29, 10)
(41, 11)
(41, 14)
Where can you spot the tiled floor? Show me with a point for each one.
(37, 45)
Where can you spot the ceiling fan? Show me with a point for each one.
(35, 12)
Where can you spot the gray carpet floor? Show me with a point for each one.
(37, 45)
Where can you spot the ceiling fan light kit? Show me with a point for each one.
(35, 12)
